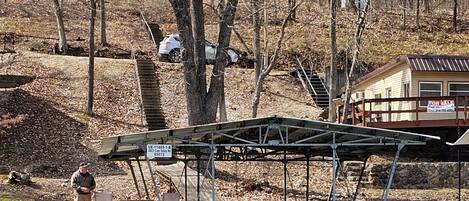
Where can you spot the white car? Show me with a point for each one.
(170, 49)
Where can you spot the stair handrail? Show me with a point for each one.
(149, 29)
(306, 75)
(137, 75)
(322, 82)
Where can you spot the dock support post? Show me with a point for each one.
(133, 177)
(143, 179)
(393, 170)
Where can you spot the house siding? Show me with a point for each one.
(444, 78)
(393, 79)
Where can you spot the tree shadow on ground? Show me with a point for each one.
(43, 141)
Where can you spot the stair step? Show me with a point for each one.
(150, 95)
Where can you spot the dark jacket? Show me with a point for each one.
(82, 180)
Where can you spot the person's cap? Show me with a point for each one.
(84, 165)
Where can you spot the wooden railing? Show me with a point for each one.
(362, 111)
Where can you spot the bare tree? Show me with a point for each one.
(61, 28)
(455, 16)
(267, 67)
(291, 4)
(194, 87)
(201, 103)
(216, 93)
(91, 59)
(417, 18)
(256, 40)
(404, 24)
(356, 50)
(333, 67)
(102, 17)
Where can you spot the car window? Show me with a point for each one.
(209, 43)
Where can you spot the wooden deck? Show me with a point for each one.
(364, 113)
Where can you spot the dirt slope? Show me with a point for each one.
(49, 134)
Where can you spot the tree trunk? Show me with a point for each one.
(356, 49)
(333, 68)
(195, 100)
(256, 41)
(271, 63)
(198, 29)
(61, 28)
(265, 62)
(216, 90)
(418, 14)
(291, 5)
(404, 24)
(222, 107)
(91, 58)
(102, 16)
(264, 65)
(455, 16)
(426, 5)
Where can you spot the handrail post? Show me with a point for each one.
(353, 114)
(465, 109)
(364, 112)
(338, 113)
(371, 109)
(456, 102)
(417, 105)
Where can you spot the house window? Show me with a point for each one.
(359, 95)
(377, 96)
(458, 89)
(406, 90)
(429, 89)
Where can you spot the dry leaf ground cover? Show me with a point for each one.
(48, 134)
(51, 134)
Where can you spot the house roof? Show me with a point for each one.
(423, 63)
(438, 63)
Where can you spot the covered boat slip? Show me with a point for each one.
(267, 139)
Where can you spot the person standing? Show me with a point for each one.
(83, 183)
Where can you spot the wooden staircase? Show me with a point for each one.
(149, 89)
(314, 85)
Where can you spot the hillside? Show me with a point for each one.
(44, 130)
(384, 38)
(51, 134)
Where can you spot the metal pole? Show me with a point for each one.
(459, 163)
(133, 177)
(459, 174)
(185, 180)
(357, 189)
(212, 149)
(285, 180)
(307, 177)
(198, 178)
(213, 172)
(334, 172)
(143, 179)
(330, 189)
(155, 187)
(393, 170)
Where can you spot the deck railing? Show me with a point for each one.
(364, 111)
